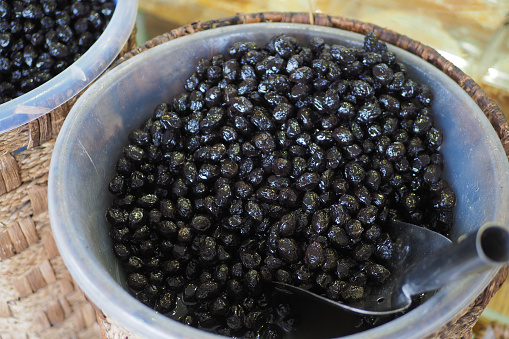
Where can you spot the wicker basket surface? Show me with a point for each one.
(38, 297)
(461, 325)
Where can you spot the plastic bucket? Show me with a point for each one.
(95, 132)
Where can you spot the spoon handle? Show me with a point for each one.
(473, 253)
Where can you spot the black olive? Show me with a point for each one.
(137, 281)
(288, 250)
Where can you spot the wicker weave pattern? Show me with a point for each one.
(38, 297)
(461, 325)
(493, 330)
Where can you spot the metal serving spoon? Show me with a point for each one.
(424, 261)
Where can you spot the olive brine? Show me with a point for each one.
(278, 162)
(41, 38)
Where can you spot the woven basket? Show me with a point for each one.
(493, 330)
(461, 325)
(38, 297)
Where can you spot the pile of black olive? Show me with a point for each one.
(277, 163)
(41, 38)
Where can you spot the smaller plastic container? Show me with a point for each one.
(95, 133)
(77, 76)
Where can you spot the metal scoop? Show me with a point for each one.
(424, 261)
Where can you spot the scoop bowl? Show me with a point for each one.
(425, 261)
